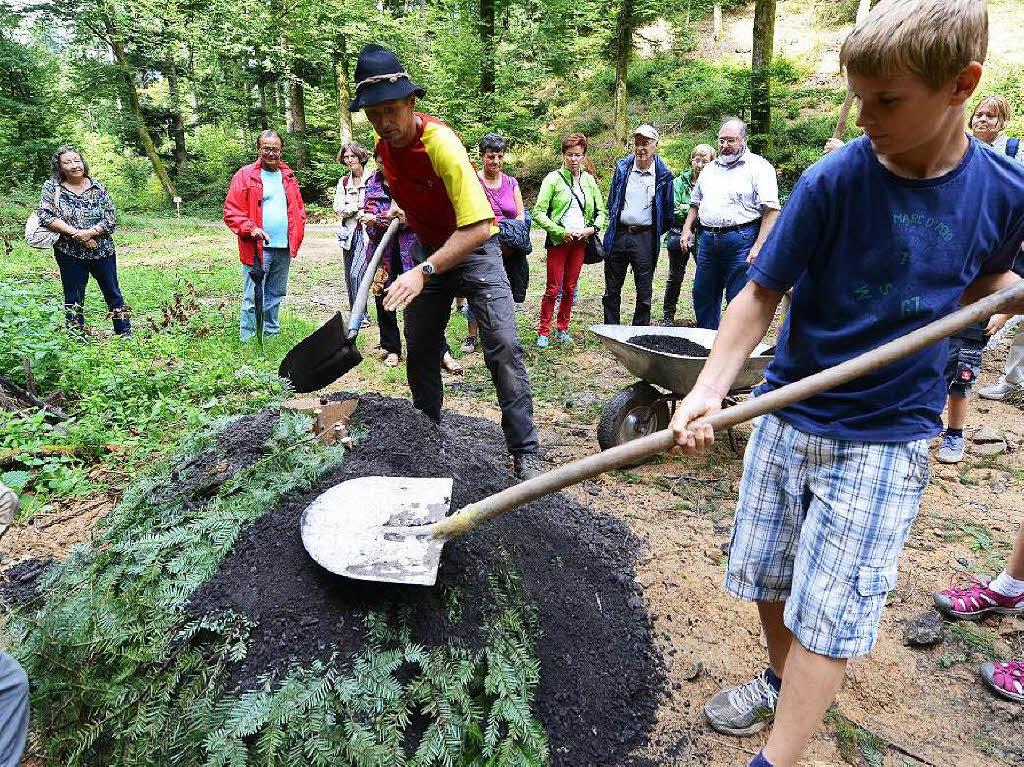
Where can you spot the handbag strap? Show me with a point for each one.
(583, 204)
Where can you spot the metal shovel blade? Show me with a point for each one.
(346, 529)
(322, 358)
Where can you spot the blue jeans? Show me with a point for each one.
(721, 266)
(275, 287)
(74, 276)
(13, 711)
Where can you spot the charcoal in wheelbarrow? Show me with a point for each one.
(322, 358)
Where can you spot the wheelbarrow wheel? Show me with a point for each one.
(636, 411)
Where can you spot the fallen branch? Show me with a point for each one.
(15, 392)
(50, 521)
(15, 454)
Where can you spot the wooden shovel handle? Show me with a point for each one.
(659, 442)
(363, 292)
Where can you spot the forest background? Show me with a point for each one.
(165, 97)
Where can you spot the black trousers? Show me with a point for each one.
(481, 279)
(390, 337)
(628, 250)
(677, 261)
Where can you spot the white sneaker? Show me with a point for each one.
(1000, 390)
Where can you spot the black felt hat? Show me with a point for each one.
(380, 76)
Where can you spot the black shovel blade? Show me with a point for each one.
(321, 358)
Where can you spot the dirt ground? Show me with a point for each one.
(928, 705)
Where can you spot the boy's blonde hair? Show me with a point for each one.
(1001, 107)
(933, 39)
(703, 149)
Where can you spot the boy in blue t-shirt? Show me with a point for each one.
(876, 241)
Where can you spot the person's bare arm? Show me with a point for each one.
(768, 218)
(463, 241)
(746, 320)
(520, 205)
(986, 284)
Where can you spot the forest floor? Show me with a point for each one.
(899, 706)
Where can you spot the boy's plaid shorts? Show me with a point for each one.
(820, 524)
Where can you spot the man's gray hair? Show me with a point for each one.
(742, 125)
(269, 133)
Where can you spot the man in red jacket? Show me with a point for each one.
(264, 208)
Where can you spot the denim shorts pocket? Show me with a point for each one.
(876, 581)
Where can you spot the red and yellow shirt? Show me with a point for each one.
(434, 182)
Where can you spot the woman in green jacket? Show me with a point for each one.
(570, 208)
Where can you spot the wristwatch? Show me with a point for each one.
(428, 269)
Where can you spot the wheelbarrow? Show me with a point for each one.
(641, 408)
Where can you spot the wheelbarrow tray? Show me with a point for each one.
(674, 372)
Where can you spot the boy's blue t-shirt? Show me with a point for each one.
(873, 256)
(275, 208)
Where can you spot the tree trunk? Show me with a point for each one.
(117, 47)
(623, 48)
(487, 46)
(718, 21)
(261, 95)
(760, 76)
(344, 91)
(177, 120)
(298, 117)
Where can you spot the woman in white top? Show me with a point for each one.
(348, 203)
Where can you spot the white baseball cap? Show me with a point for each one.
(647, 131)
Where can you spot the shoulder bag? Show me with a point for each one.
(593, 247)
(37, 235)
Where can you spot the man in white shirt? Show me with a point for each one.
(736, 200)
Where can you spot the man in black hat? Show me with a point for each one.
(435, 189)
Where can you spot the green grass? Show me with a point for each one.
(184, 366)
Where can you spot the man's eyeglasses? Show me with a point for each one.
(269, 150)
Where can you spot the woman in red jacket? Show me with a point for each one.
(264, 208)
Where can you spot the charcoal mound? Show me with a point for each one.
(19, 583)
(600, 676)
(239, 444)
(671, 345)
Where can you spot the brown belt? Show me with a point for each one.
(635, 229)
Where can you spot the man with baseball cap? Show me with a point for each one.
(640, 204)
(436, 192)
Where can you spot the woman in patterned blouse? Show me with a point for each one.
(81, 211)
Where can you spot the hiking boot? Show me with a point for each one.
(952, 450)
(975, 600)
(1006, 679)
(563, 337)
(743, 710)
(543, 342)
(9, 505)
(469, 345)
(998, 391)
(528, 465)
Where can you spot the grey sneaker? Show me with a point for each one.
(1000, 390)
(469, 345)
(952, 450)
(528, 465)
(9, 505)
(743, 710)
